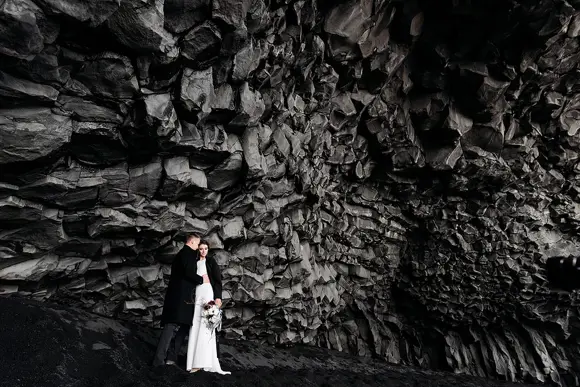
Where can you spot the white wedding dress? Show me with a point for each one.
(201, 348)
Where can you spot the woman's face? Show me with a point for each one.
(203, 250)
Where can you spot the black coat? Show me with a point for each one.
(215, 276)
(180, 294)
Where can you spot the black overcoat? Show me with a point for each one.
(215, 276)
(180, 294)
(178, 305)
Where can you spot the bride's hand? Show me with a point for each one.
(205, 279)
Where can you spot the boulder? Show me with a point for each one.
(181, 16)
(139, 26)
(92, 12)
(29, 133)
(180, 178)
(24, 29)
(197, 90)
(109, 75)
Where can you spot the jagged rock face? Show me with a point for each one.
(385, 178)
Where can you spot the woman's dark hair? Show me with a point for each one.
(204, 242)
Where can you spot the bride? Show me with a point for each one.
(202, 348)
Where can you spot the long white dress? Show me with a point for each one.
(201, 348)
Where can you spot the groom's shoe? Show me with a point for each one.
(170, 362)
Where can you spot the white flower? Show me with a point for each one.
(212, 316)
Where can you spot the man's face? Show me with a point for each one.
(194, 243)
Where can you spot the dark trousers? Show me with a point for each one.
(165, 340)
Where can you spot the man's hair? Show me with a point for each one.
(204, 242)
(192, 236)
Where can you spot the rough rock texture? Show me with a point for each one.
(51, 345)
(385, 178)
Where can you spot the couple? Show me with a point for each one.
(195, 280)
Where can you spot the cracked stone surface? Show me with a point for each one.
(377, 177)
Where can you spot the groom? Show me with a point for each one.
(178, 306)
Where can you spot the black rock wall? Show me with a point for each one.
(385, 178)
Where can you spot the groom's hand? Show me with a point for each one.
(218, 302)
(205, 279)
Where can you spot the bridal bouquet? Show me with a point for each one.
(212, 316)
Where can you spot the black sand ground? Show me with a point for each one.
(44, 345)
